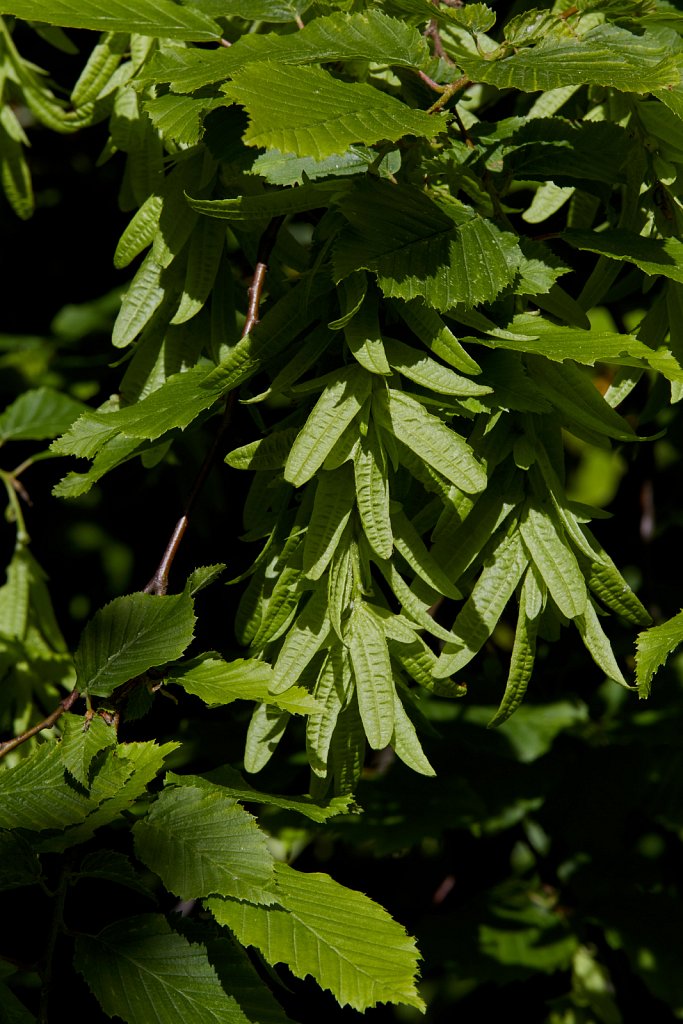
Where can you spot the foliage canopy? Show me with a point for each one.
(340, 287)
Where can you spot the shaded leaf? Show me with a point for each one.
(141, 970)
(130, 635)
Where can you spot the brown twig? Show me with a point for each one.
(430, 82)
(47, 723)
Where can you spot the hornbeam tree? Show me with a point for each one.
(390, 267)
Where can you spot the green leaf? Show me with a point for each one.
(34, 794)
(148, 17)
(119, 780)
(232, 783)
(435, 335)
(112, 866)
(269, 452)
(523, 650)
(478, 618)
(281, 115)
(218, 682)
(370, 36)
(406, 743)
(409, 544)
(19, 864)
(332, 505)
(428, 373)
(547, 546)
(302, 643)
(418, 247)
(39, 414)
(573, 393)
(201, 842)
(265, 731)
(584, 346)
(139, 232)
(332, 689)
(372, 672)
(145, 973)
(338, 405)
(203, 258)
(144, 296)
(605, 55)
(130, 635)
(371, 473)
(652, 255)
(257, 208)
(429, 438)
(598, 645)
(654, 647)
(103, 61)
(349, 944)
(82, 740)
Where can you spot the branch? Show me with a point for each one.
(47, 723)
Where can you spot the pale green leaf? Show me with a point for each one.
(598, 645)
(372, 672)
(419, 368)
(302, 643)
(332, 689)
(349, 944)
(547, 546)
(441, 251)
(362, 328)
(201, 842)
(269, 452)
(281, 115)
(430, 439)
(371, 473)
(406, 743)
(480, 614)
(142, 971)
(218, 682)
(265, 731)
(203, 258)
(435, 335)
(523, 651)
(654, 647)
(334, 498)
(130, 635)
(143, 298)
(103, 61)
(139, 232)
(338, 405)
(148, 17)
(409, 544)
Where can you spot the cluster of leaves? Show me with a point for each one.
(402, 405)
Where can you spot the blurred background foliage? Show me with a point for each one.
(542, 869)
